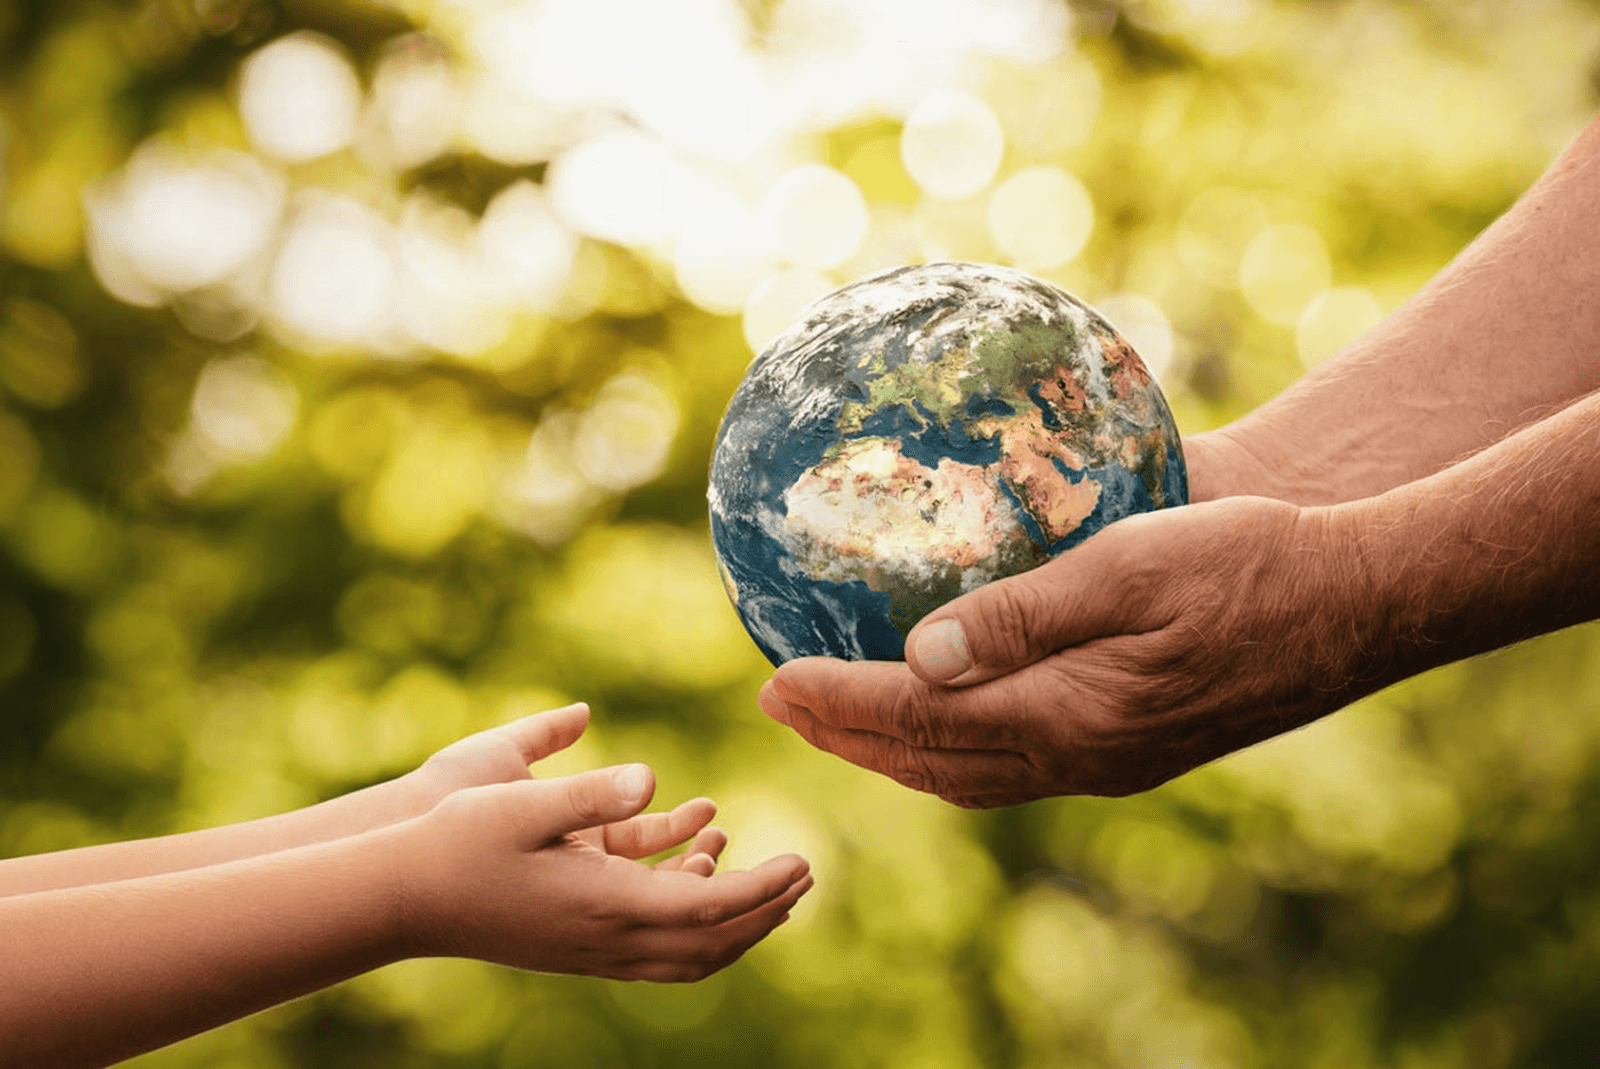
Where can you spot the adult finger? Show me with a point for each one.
(572, 803)
(677, 900)
(885, 697)
(995, 800)
(542, 734)
(935, 771)
(651, 833)
(1106, 586)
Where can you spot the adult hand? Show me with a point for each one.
(1164, 641)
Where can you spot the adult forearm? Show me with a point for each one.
(1501, 337)
(1496, 549)
(92, 975)
(349, 814)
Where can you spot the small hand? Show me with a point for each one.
(499, 754)
(537, 874)
(650, 833)
(1164, 641)
(503, 753)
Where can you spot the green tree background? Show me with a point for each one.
(294, 489)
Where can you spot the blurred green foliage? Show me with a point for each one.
(187, 640)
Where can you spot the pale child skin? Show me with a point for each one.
(1430, 493)
(113, 950)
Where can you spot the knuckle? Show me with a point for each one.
(917, 717)
(911, 768)
(706, 913)
(1005, 629)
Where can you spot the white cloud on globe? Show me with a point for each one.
(777, 301)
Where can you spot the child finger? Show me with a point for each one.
(668, 902)
(694, 864)
(542, 734)
(701, 857)
(652, 833)
(573, 803)
(722, 944)
(710, 842)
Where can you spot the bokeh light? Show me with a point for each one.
(814, 217)
(445, 299)
(623, 437)
(41, 359)
(620, 187)
(777, 301)
(416, 103)
(1214, 231)
(952, 144)
(299, 97)
(333, 280)
(719, 255)
(243, 406)
(1332, 320)
(171, 222)
(527, 251)
(1282, 269)
(359, 368)
(1041, 217)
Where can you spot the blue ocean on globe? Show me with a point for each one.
(919, 433)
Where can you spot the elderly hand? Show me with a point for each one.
(1163, 642)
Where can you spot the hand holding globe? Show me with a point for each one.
(1424, 496)
(918, 434)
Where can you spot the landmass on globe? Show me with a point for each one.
(917, 434)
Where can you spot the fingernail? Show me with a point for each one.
(632, 781)
(942, 649)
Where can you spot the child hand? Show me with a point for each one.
(499, 754)
(539, 874)
(650, 833)
(503, 753)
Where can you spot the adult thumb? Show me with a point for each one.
(1092, 591)
(589, 799)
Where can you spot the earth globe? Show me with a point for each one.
(917, 434)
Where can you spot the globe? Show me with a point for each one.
(917, 434)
